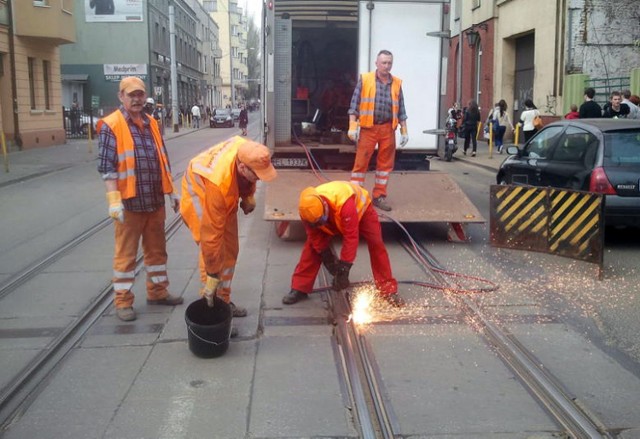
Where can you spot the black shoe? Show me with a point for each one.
(394, 300)
(294, 296)
(473, 154)
(238, 311)
(170, 300)
(464, 152)
(381, 203)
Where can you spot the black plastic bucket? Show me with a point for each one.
(208, 328)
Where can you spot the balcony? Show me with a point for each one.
(43, 21)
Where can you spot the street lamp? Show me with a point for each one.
(473, 36)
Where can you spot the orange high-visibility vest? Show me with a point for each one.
(216, 164)
(368, 99)
(336, 193)
(126, 154)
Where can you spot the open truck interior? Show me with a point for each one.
(322, 70)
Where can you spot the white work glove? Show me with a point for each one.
(116, 209)
(353, 133)
(210, 289)
(175, 201)
(248, 204)
(405, 137)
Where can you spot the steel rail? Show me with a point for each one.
(24, 387)
(371, 413)
(33, 269)
(540, 382)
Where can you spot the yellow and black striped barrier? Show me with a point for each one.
(557, 221)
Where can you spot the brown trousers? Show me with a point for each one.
(384, 136)
(150, 227)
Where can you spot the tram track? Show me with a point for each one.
(372, 412)
(16, 396)
(539, 382)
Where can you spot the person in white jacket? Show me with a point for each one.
(526, 119)
(195, 113)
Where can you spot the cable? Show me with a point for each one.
(418, 251)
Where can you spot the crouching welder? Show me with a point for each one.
(340, 208)
(214, 182)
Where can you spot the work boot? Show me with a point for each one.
(294, 296)
(126, 314)
(394, 300)
(237, 311)
(169, 300)
(381, 203)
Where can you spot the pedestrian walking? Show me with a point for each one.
(500, 120)
(527, 118)
(135, 167)
(470, 120)
(243, 120)
(214, 182)
(195, 114)
(377, 105)
(340, 208)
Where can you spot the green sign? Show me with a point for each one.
(95, 101)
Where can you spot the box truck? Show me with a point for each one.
(313, 53)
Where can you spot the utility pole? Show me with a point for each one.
(233, 89)
(174, 69)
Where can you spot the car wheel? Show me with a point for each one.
(503, 182)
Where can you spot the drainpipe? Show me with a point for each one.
(17, 138)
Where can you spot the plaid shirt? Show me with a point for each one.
(149, 196)
(382, 104)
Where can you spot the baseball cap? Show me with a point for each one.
(151, 101)
(257, 157)
(131, 84)
(310, 205)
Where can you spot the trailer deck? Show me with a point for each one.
(416, 197)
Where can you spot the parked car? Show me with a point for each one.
(236, 114)
(222, 118)
(596, 155)
(79, 123)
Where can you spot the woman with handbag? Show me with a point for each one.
(527, 118)
(470, 121)
(500, 119)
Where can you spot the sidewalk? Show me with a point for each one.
(482, 158)
(34, 162)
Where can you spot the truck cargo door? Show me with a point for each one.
(401, 28)
(282, 85)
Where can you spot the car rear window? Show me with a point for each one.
(622, 148)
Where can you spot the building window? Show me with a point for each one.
(476, 4)
(31, 64)
(40, 2)
(67, 6)
(46, 77)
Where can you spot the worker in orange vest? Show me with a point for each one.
(134, 165)
(340, 208)
(377, 105)
(215, 181)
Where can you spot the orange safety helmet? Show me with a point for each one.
(310, 206)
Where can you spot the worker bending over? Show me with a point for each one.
(214, 182)
(340, 208)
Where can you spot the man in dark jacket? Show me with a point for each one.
(590, 108)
